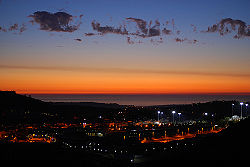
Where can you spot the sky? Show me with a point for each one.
(125, 47)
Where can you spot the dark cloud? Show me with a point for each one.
(166, 31)
(108, 29)
(229, 25)
(89, 34)
(195, 41)
(130, 41)
(81, 15)
(22, 28)
(145, 30)
(3, 29)
(142, 25)
(180, 40)
(78, 39)
(13, 27)
(155, 30)
(189, 41)
(58, 21)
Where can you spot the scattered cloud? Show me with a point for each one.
(166, 31)
(143, 29)
(3, 29)
(189, 41)
(180, 40)
(228, 25)
(22, 28)
(59, 21)
(155, 31)
(78, 39)
(89, 34)
(15, 28)
(108, 29)
(142, 25)
(130, 41)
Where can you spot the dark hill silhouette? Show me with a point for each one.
(16, 108)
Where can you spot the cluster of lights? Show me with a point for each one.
(173, 112)
(173, 146)
(241, 105)
(91, 146)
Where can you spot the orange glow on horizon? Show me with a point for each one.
(57, 82)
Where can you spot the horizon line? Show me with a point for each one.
(202, 93)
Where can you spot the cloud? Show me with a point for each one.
(108, 29)
(180, 40)
(13, 27)
(126, 70)
(142, 25)
(228, 25)
(58, 21)
(78, 39)
(166, 31)
(155, 30)
(89, 34)
(145, 30)
(194, 41)
(22, 28)
(130, 41)
(3, 29)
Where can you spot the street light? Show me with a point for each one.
(158, 115)
(173, 112)
(241, 104)
(246, 109)
(179, 116)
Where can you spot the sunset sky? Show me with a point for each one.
(132, 46)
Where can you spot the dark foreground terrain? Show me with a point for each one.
(228, 147)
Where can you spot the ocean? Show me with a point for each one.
(139, 100)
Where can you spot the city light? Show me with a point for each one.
(241, 104)
(246, 109)
(173, 112)
(179, 116)
(232, 109)
(158, 115)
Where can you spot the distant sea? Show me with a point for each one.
(139, 100)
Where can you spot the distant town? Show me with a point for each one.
(120, 133)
